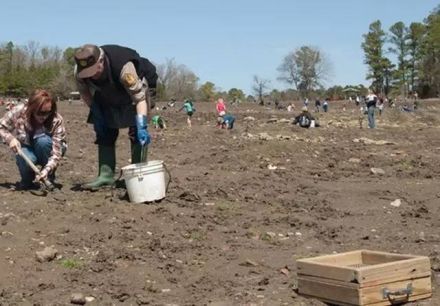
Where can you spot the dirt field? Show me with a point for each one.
(241, 207)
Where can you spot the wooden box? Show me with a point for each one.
(365, 278)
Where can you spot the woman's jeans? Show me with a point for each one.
(371, 119)
(39, 153)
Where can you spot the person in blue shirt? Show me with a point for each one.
(227, 121)
(189, 108)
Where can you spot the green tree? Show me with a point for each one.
(400, 47)
(236, 95)
(431, 55)
(68, 56)
(9, 56)
(207, 91)
(415, 37)
(373, 45)
(335, 93)
(23, 68)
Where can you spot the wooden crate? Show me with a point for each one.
(365, 277)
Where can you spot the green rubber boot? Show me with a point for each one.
(107, 163)
(138, 153)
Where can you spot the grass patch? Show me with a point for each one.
(226, 209)
(405, 165)
(71, 263)
(197, 235)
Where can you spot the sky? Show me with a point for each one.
(226, 42)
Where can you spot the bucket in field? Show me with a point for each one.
(312, 123)
(145, 182)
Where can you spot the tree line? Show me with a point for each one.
(416, 51)
(23, 68)
(400, 62)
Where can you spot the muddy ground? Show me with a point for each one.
(241, 207)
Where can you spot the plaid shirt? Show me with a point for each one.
(14, 125)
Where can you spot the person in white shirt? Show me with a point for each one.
(371, 106)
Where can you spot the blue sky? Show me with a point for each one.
(226, 42)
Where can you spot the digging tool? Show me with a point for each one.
(49, 186)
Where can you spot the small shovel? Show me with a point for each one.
(48, 185)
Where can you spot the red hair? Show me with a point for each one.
(36, 100)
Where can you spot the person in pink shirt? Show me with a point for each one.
(220, 107)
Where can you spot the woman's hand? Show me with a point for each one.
(15, 145)
(42, 176)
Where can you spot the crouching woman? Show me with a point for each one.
(37, 129)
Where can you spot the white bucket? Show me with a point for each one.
(312, 123)
(145, 182)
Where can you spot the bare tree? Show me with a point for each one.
(32, 49)
(184, 83)
(166, 71)
(63, 83)
(260, 86)
(289, 71)
(19, 59)
(305, 69)
(176, 80)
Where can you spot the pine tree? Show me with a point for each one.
(378, 65)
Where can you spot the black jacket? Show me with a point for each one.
(112, 98)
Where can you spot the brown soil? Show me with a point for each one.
(231, 226)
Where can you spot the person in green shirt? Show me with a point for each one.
(189, 110)
(158, 122)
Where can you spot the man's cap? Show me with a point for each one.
(86, 58)
(304, 109)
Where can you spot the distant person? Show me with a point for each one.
(371, 108)
(317, 105)
(38, 130)
(306, 102)
(226, 121)
(362, 112)
(325, 105)
(416, 101)
(358, 100)
(189, 108)
(220, 107)
(158, 122)
(304, 119)
(172, 102)
(380, 106)
(291, 107)
(391, 103)
(406, 108)
(278, 105)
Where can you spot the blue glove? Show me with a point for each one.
(142, 132)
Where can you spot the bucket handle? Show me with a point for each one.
(169, 177)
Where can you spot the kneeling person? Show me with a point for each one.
(304, 119)
(158, 122)
(37, 130)
(227, 121)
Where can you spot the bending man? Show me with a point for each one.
(115, 82)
